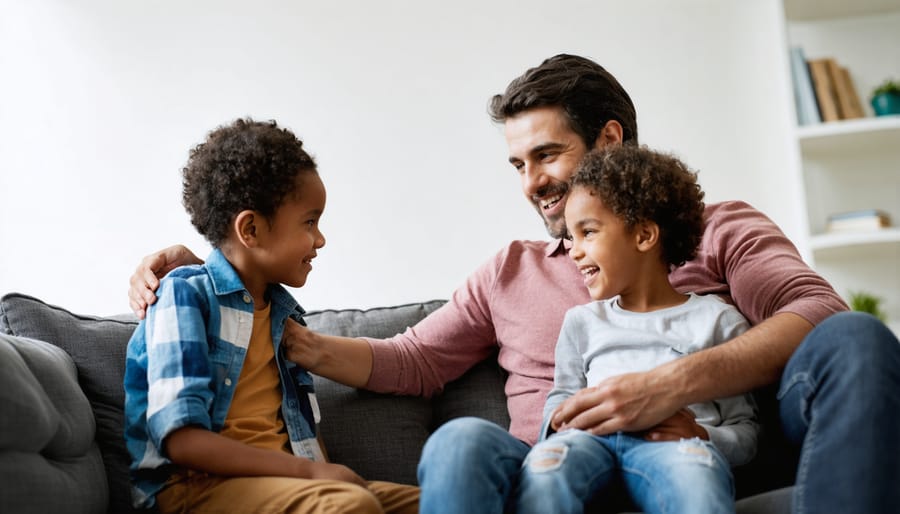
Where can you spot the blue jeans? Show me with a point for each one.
(840, 399)
(563, 473)
(469, 465)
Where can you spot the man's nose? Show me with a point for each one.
(533, 180)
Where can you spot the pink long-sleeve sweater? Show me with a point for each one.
(517, 300)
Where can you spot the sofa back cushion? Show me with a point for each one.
(49, 460)
(97, 347)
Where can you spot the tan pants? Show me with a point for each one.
(202, 493)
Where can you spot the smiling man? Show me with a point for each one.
(553, 114)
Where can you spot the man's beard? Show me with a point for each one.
(556, 226)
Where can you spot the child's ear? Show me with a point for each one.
(247, 228)
(646, 235)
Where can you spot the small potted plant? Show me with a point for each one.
(866, 302)
(886, 98)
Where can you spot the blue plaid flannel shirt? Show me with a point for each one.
(184, 360)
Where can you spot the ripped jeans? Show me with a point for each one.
(563, 472)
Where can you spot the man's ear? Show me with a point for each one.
(247, 228)
(611, 133)
(646, 235)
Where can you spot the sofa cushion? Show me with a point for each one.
(49, 461)
(97, 346)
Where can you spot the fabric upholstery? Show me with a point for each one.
(49, 461)
(97, 347)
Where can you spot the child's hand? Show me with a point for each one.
(680, 425)
(554, 424)
(329, 471)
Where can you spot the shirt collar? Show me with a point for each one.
(225, 280)
(557, 247)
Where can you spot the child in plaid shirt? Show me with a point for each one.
(217, 420)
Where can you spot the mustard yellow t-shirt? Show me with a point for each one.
(254, 416)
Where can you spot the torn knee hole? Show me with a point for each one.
(696, 448)
(546, 457)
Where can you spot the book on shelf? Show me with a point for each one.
(824, 88)
(847, 99)
(835, 93)
(804, 96)
(861, 220)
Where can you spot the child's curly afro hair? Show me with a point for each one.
(638, 184)
(245, 165)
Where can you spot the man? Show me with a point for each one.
(836, 379)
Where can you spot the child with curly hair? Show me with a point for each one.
(217, 420)
(633, 215)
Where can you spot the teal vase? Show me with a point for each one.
(886, 104)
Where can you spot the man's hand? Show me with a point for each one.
(628, 403)
(301, 345)
(681, 425)
(153, 267)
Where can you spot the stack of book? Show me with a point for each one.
(823, 90)
(866, 219)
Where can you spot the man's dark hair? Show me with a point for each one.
(245, 165)
(588, 94)
(638, 184)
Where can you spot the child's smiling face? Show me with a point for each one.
(292, 236)
(604, 249)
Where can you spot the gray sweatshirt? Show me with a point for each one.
(600, 340)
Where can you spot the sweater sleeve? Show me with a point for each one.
(743, 254)
(442, 346)
(736, 436)
(568, 375)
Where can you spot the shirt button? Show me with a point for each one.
(228, 382)
(247, 298)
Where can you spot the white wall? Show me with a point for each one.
(101, 100)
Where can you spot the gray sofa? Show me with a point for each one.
(61, 446)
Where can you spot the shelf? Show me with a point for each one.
(835, 136)
(840, 243)
(828, 9)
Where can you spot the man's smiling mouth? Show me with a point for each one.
(549, 203)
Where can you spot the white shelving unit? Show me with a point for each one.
(852, 164)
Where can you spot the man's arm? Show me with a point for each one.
(346, 360)
(637, 401)
(421, 360)
(145, 279)
(199, 449)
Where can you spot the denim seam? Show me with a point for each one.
(802, 470)
(795, 379)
